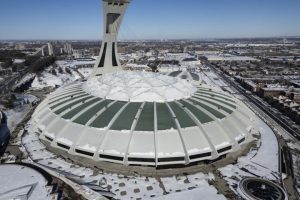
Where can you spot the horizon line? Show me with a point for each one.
(162, 39)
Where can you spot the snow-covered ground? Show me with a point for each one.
(48, 79)
(261, 161)
(16, 115)
(75, 63)
(211, 78)
(19, 60)
(61, 77)
(204, 192)
(17, 181)
(28, 98)
(86, 72)
(268, 146)
(25, 79)
(190, 187)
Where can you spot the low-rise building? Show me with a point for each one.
(273, 91)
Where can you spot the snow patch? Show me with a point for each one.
(64, 141)
(88, 148)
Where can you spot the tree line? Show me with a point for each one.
(7, 55)
(37, 65)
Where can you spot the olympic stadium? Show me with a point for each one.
(141, 118)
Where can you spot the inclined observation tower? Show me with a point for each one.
(108, 60)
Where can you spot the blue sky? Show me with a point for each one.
(150, 19)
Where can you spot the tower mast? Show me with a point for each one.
(108, 60)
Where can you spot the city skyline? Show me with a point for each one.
(150, 19)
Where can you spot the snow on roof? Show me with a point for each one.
(139, 87)
(19, 60)
(251, 83)
(72, 109)
(275, 87)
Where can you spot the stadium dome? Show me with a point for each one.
(143, 118)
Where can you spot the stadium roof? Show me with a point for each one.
(148, 131)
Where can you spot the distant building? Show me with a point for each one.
(228, 57)
(50, 49)
(294, 95)
(251, 86)
(77, 54)
(81, 53)
(288, 107)
(68, 48)
(272, 91)
(136, 67)
(20, 47)
(43, 52)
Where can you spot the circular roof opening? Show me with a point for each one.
(260, 189)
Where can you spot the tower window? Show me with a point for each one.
(111, 22)
(114, 59)
(101, 64)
